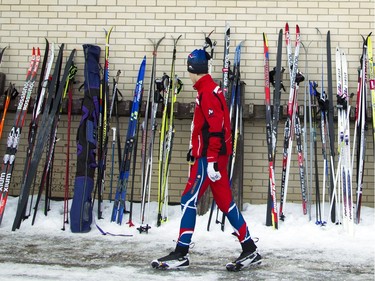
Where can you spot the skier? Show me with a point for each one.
(210, 147)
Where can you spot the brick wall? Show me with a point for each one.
(25, 24)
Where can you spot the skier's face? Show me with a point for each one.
(193, 77)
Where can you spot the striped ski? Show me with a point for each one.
(15, 132)
(289, 124)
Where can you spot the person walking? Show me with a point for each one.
(210, 148)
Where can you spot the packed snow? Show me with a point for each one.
(298, 250)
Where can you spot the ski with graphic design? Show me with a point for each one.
(51, 147)
(314, 96)
(209, 44)
(103, 127)
(225, 90)
(234, 107)
(323, 104)
(146, 158)
(276, 81)
(173, 87)
(269, 135)
(153, 98)
(226, 64)
(361, 128)
(371, 78)
(323, 109)
(331, 132)
(289, 124)
(119, 201)
(343, 122)
(45, 127)
(38, 105)
(234, 117)
(15, 132)
(300, 156)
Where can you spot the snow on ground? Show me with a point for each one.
(298, 250)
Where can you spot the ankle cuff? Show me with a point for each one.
(181, 249)
(248, 246)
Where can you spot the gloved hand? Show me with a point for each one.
(190, 158)
(212, 171)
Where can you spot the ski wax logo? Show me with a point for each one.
(190, 67)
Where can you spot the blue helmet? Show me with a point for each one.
(197, 61)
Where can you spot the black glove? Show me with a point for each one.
(190, 158)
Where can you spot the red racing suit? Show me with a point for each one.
(211, 141)
(211, 129)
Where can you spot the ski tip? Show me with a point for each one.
(176, 39)
(109, 31)
(265, 39)
(227, 30)
(297, 29)
(286, 27)
(73, 53)
(318, 30)
(158, 43)
(368, 38)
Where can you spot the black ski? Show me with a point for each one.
(51, 149)
(275, 79)
(46, 123)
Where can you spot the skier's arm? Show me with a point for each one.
(214, 114)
